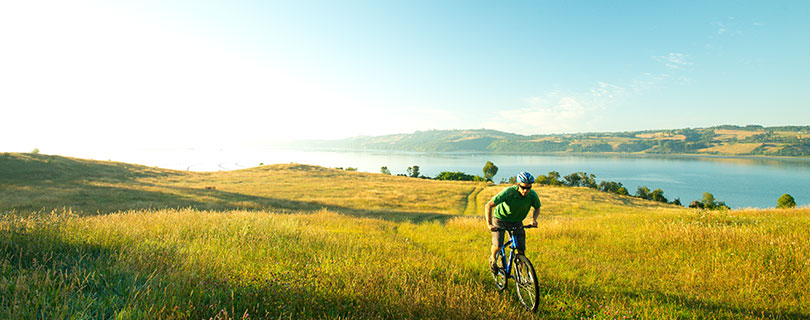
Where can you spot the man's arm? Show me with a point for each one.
(535, 214)
(488, 213)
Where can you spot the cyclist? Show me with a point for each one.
(511, 206)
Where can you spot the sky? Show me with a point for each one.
(121, 74)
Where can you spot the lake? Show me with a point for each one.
(740, 182)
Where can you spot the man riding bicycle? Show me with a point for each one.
(511, 206)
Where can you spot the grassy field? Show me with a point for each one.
(732, 149)
(84, 239)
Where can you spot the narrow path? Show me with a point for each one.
(471, 205)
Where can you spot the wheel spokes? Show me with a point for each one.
(525, 285)
(500, 276)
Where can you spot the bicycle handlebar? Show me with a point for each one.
(528, 226)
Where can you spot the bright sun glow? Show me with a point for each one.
(88, 75)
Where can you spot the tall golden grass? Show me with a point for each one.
(294, 241)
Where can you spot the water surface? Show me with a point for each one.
(740, 182)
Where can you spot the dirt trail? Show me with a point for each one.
(471, 205)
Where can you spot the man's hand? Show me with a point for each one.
(492, 228)
(534, 223)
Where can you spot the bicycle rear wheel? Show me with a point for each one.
(526, 283)
(500, 275)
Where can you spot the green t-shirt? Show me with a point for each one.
(510, 206)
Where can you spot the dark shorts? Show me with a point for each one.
(520, 234)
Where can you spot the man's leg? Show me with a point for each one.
(520, 234)
(497, 242)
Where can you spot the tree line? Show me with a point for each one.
(576, 179)
(490, 170)
(583, 179)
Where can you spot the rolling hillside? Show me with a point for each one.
(720, 140)
(92, 239)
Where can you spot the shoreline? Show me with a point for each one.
(655, 170)
(622, 154)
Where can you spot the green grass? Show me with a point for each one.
(84, 239)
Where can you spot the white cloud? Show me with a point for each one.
(383, 121)
(543, 116)
(607, 92)
(721, 27)
(674, 60)
(648, 81)
(730, 28)
(556, 112)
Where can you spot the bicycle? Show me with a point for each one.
(525, 278)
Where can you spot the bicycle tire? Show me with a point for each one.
(526, 284)
(500, 275)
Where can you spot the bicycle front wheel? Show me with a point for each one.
(499, 275)
(526, 283)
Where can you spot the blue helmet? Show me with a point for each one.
(525, 177)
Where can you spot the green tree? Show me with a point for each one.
(413, 171)
(658, 195)
(708, 201)
(35, 151)
(612, 187)
(552, 179)
(572, 180)
(588, 180)
(644, 193)
(581, 179)
(384, 170)
(490, 170)
(456, 176)
(786, 201)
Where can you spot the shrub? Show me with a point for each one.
(456, 176)
(552, 179)
(710, 203)
(511, 180)
(609, 186)
(644, 193)
(613, 187)
(786, 201)
(581, 179)
(658, 195)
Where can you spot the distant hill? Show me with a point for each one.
(791, 141)
(424, 141)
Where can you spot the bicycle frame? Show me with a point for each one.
(512, 244)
